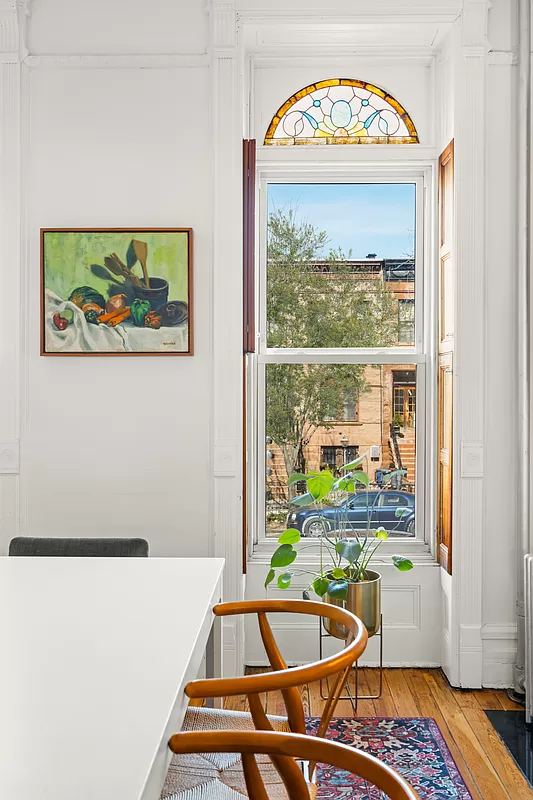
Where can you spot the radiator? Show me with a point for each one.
(528, 604)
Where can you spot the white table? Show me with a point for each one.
(95, 654)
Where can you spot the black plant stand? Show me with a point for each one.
(354, 696)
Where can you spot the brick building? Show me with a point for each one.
(367, 421)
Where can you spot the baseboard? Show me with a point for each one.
(499, 655)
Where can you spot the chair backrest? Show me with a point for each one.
(284, 748)
(283, 679)
(87, 548)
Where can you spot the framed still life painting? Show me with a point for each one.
(116, 291)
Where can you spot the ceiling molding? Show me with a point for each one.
(385, 55)
(132, 61)
(422, 13)
(349, 35)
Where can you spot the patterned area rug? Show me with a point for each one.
(413, 746)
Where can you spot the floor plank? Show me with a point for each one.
(485, 764)
(480, 766)
(403, 699)
(428, 707)
(506, 703)
(487, 699)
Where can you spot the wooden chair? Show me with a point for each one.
(276, 778)
(87, 548)
(281, 679)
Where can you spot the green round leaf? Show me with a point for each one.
(381, 534)
(290, 536)
(342, 484)
(270, 577)
(338, 573)
(400, 512)
(283, 556)
(284, 580)
(401, 563)
(320, 586)
(338, 590)
(390, 475)
(320, 485)
(353, 464)
(295, 477)
(361, 477)
(348, 549)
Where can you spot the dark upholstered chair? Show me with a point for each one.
(96, 548)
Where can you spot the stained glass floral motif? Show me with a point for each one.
(341, 111)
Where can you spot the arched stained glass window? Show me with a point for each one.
(341, 111)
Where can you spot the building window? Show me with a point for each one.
(328, 457)
(340, 111)
(349, 407)
(334, 458)
(406, 321)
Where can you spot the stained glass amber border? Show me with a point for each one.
(369, 87)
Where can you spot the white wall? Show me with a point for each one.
(109, 143)
(411, 620)
(113, 446)
(117, 26)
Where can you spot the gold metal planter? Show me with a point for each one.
(364, 600)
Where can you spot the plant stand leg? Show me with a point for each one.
(355, 696)
(378, 695)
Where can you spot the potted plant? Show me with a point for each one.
(397, 423)
(344, 576)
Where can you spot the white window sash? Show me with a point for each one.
(422, 174)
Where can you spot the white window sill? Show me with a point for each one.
(417, 550)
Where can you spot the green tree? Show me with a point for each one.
(316, 300)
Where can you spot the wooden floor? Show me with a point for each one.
(484, 762)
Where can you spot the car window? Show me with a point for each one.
(361, 501)
(390, 499)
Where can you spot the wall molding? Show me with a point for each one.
(117, 61)
(465, 667)
(227, 357)
(11, 47)
(502, 58)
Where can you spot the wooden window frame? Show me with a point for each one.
(445, 361)
(248, 296)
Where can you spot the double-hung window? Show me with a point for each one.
(340, 367)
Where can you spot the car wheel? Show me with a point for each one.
(411, 526)
(315, 527)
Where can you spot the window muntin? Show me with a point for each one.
(341, 111)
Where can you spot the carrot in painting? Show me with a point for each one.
(105, 318)
(118, 318)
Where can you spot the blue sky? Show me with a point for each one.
(364, 217)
